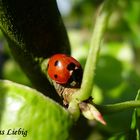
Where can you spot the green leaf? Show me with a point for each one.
(27, 110)
(10, 71)
(33, 36)
(108, 72)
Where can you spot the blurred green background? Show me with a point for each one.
(118, 70)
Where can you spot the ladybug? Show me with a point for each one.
(65, 70)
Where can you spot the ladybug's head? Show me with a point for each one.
(76, 74)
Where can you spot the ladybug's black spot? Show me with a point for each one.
(56, 63)
(55, 76)
(71, 66)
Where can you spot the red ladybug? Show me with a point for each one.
(65, 70)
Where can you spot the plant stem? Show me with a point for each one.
(113, 108)
(99, 29)
(88, 77)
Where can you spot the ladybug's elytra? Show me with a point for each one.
(64, 69)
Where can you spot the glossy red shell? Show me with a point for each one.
(57, 67)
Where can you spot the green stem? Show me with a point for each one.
(113, 108)
(99, 29)
(89, 72)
